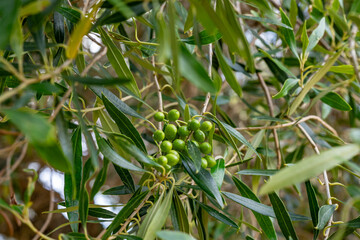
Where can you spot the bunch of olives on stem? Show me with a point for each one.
(173, 137)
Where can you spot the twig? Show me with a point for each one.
(29, 81)
(8, 223)
(94, 60)
(326, 180)
(59, 106)
(158, 90)
(135, 212)
(16, 164)
(49, 217)
(208, 95)
(6, 132)
(310, 117)
(352, 47)
(271, 111)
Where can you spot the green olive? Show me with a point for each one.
(199, 136)
(203, 163)
(205, 148)
(170, 131)
(159, 116)
(211, 162)
(173, 115)
(206, 126)
(166, 146)
(158, 135)
(178, 145)
(193, 125)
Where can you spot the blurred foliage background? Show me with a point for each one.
(284, 74)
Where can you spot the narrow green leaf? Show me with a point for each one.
(124, 213)
(70, 14)
(259, 207)
(316, 35)
(229, 75)
(264, 221)
(226, 10)
(288, 34)
(293, 12)
(278, 64)
(135, 152)
(81, 29)
(310, 167)
(41, 135)
(8, 14)
(124, 124)
(156, 217)
(346, 69)
(180, 214)
(203, 179)
(120, 190)
(203, 38)
(313, 206)
(258, 172)
(237, 135)
(334, 100)
(110, 154)
(193, 71)
(194, 154)
(304, 40)
(218, 172)
(120, 105)
(218, 215)
(100, 179)
(84, 195)
(98, 81)
(265, 20)
(289, 84)
(283, 217)
(125, 177)
(314, 79)
(173, 235)
(101, 213)
(255, 143)
(118, 62)
(325, 213)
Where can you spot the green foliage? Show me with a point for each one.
(194, 119)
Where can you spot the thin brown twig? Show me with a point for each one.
(326, 180)
(352, 47)
(8, 223)
(135, 212)
(310, 117)
(49, 217)
(17, 163)
(271, 111)
(6, 132)
(158, 90)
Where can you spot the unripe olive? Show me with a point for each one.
(175, 153)
(170, 131)
(206, 126)
(173, 115)
(183, 131)
(178, 145)
(203, 163)
(193, 125)
(158, 135)
(211, 162)
(199, 136)
(205, 148)
(166, 146)
(159, 116)
(172, 159)
(162, 160)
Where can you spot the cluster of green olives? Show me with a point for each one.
(172, 139)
